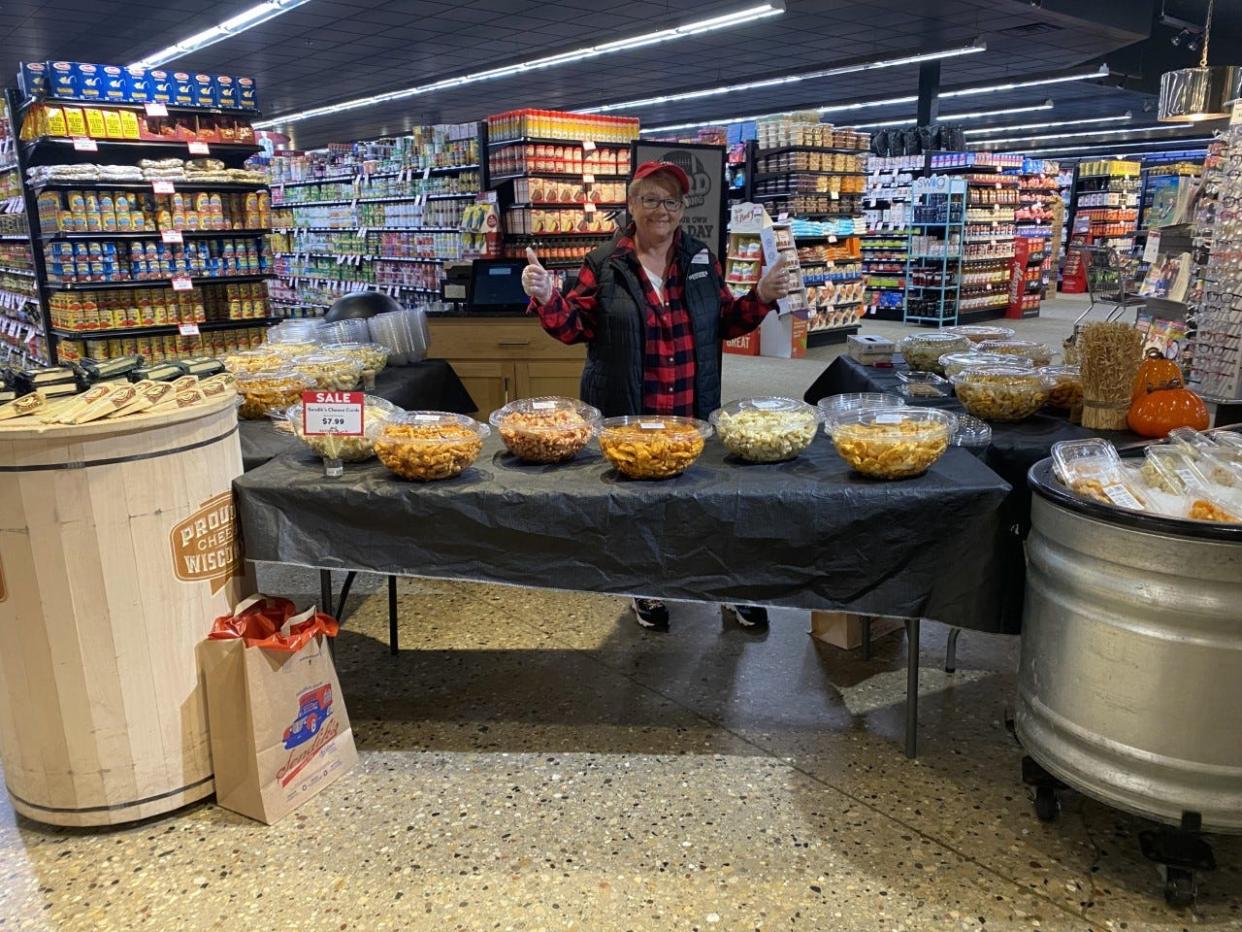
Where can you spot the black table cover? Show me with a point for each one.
(808, 533)
(432, 384)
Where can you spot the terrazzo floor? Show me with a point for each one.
(534, 760)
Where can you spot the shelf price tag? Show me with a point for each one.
(171, 236)
(341, 414)
(588, 145)
(199, 148)
(82, 144)
(589, 207)
(588, 178)
(182, 283)
(188, 330)
(163, 187)
(155, 108)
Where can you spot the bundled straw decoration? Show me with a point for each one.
(1110, 354)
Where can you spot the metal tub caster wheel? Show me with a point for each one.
(1047, 806)
(1180, 888)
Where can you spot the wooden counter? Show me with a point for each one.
(500, 359)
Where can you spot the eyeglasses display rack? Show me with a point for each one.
(386, 214)
(147, 234)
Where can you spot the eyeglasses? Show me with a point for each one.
(672, 205)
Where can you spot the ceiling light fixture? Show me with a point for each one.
(976, 115)
(1192, 95)
(1101, 72)
(971, 49)
(987, 130)
(698, 27)
(1095, 132)
(247, 19)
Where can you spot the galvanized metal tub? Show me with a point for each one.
(1130, 688)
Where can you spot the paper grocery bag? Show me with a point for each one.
(278, 726)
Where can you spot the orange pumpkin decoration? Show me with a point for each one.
(1154, 372)
(1164, 407)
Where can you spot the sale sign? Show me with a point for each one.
(340, 414)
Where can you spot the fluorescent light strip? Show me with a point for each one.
(1104, 148)
(698, 27)
(247, 19)
(788, 79)
(884, 102)
(1083, 135)
(982, 130)
(976, 115)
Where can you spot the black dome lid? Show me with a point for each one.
(361, 304)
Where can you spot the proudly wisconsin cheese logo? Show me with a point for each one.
(206, 546)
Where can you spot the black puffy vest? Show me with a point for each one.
(613, 377)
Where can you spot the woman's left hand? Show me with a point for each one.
(775, 283)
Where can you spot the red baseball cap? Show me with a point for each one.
(648, 169)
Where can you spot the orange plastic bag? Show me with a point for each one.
(273, 624)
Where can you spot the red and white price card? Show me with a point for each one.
(171, 236)
(82, 144)
(339, 413)
(188, 330)
(588, 178)
(155, 108)
(182, 283)
(163, 187)
(199, 148)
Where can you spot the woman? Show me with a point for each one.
(653, 309)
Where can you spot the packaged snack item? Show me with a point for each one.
(377, 414)
(329, 372)
(429, 445)
(922, 351)
(653, 447)
(1093, 469)
(546, 430)
(1001, 393)
(766, 430)
(268, 391)
(1065, 386)
(1039, 354)
(892, 443)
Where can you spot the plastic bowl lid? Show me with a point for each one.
(900, 423)
(1012, 376)
(774, 404)
(638, 424)
(245, 379)
(835, 404)
(972, 359)
(971, 432)
(1055, 371)
(978, 332)
(1027, 348)
(935, 338)
(557, 413)
(435, 427)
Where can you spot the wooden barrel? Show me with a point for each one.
(118, 547)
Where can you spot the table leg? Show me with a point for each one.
(392, 615)
(950, 654)
(865, 621)
(325, 590)
(912, 687)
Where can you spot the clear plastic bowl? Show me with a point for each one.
(347, 449)
(1064, 386)
(290, 348)
(373, 356)
(265, 359)
(331, 372)
(653, 447)
(892, 443)
(766, 430)
(428, 445)
(1038, 353)
(546, 430)
(1002, 393)
(265, 392)
(972, 434)
(922, 351)
(923, 386)
(953, 363)
(977, 333)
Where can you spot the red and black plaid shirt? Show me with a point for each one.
(668, 357)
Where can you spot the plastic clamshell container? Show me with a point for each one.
(972, 433)
(892, 443)
(653, 447)
(1093, 469)
(1064, 386)
(766, 430)
(1167, 467)
(1001, 393)
(923, 386)
(263, 393)
(331, 372)
(953, 363)
(429, 445)
(922, 351)
(546, 430)
(977, 333)
(1038, 353)
(378, 413)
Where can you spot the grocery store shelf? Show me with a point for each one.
(829, 335)
(14, 237)
(557, 176)
(369, 229)
(363, 176)
(785, 173)
(204, 326)
(155, 283)
(537, 236)
(387, 199)
(149, 234)
(763, 153)
(130, 105)
(538, 140)
(179, 184)
(610, 205)
(348, 259)
(28, 273)
(162, 145)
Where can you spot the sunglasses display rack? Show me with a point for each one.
(1216, 353)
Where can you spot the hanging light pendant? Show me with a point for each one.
(1190, 95)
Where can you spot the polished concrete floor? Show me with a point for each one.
(533, 760)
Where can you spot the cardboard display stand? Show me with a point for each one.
(754, 245)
